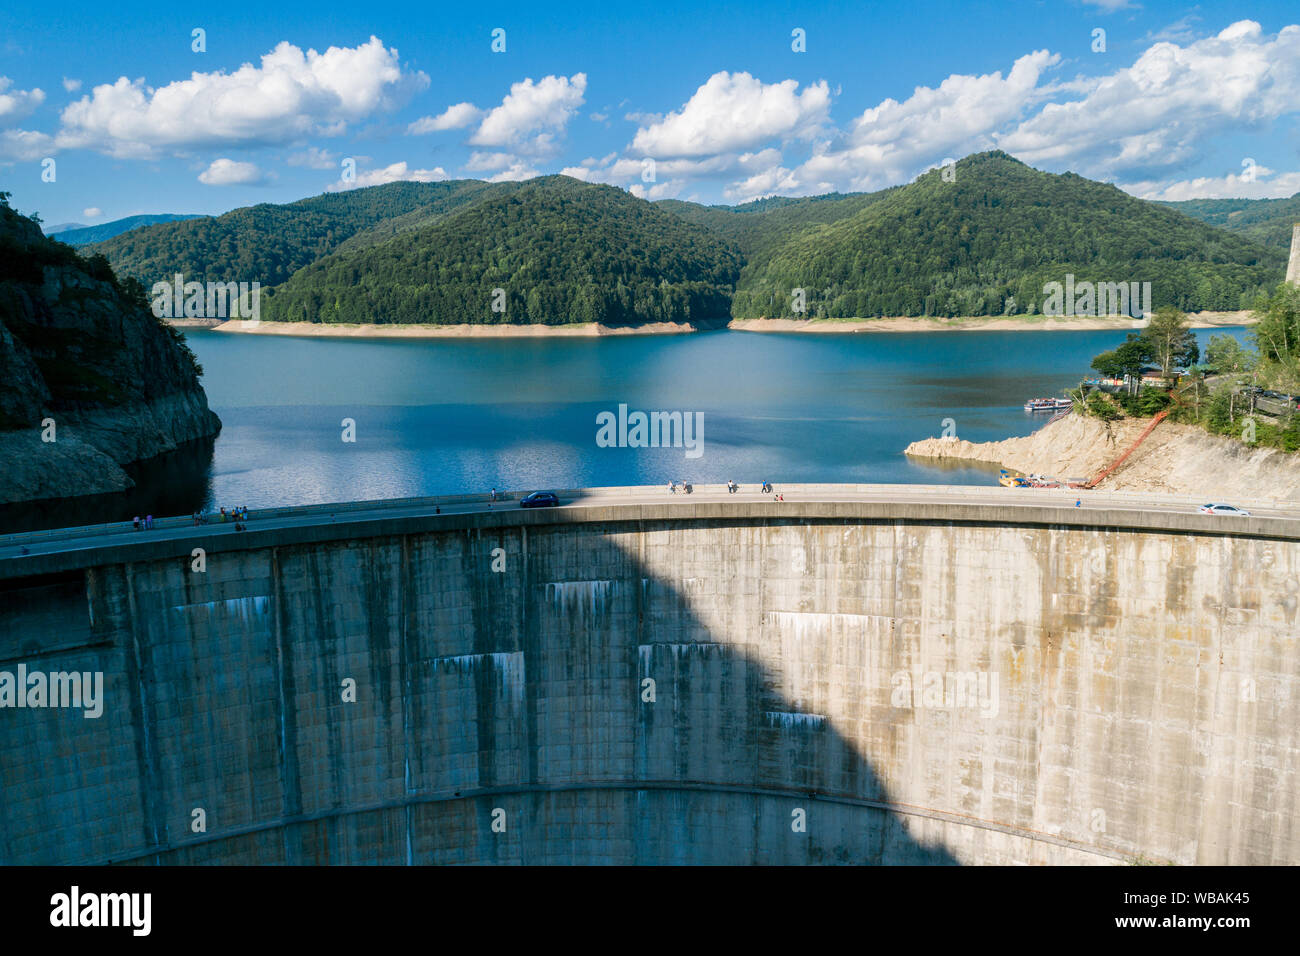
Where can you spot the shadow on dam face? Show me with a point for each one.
(530, 689)
(569, 707)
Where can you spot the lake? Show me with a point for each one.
(438, 416)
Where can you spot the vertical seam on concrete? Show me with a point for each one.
(641, 739)
(404, 662)
(1059, 537)
(290, 784)
(754, 688)
(1204, 838)
(896, 528)
(146, 753)
(530, 682)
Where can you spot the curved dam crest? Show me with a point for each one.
(832, 682)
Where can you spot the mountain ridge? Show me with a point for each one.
(987, 242)
(82, 235)
(982, 245)
(551, 250)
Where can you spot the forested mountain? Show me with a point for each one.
(83, 235)
(561, 250)
(755, 226)
(1267, 221)
(268, 243)
(998, 233)
(568, 251)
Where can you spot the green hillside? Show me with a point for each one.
(268, 243)
(1266, 221)
(755, 226)
(567, 251)
(1001, 231)
(84, 235)
(562, 250)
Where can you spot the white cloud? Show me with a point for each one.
(532, 114)
(71, 85)
(289, 96)
(1132, 124)
(664, 190)
(228, 172)
(483, 162)
(1265, 185)
(453, 117)
(893, 141)
(313, 157)
(25, 145)
(734, 111)
(396, 172)
(516, 171)
(1158, 113)
(14, 103)
(94, 212)
(773, 181)
(670, 175)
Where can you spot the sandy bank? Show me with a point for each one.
(1036, 323)
(317, 329)
(195, 323)
(977, 323)
(1175, 459)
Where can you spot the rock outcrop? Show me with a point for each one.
(1175, 459)
(90, 380)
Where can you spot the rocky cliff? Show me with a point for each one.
(90, 380)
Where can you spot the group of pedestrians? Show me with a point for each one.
(732, 488)
(238, 515)
(142, 524)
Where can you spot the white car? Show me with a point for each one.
(1223, 510)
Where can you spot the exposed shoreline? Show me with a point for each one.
(1176, 459)
(994, 323)
(980, 323)
(323, 330)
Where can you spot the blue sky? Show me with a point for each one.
(697, 101)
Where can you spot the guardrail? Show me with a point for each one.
(1037, 497)
(261, 514)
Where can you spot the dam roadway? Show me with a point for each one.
(857, 674)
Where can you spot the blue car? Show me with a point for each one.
(539, 499)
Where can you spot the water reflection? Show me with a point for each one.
(447, 416)
(175, 483)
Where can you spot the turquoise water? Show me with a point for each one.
(443, 416)
(450, 416)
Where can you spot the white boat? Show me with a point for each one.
(1048, 404)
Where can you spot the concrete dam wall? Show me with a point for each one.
(707, 683)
